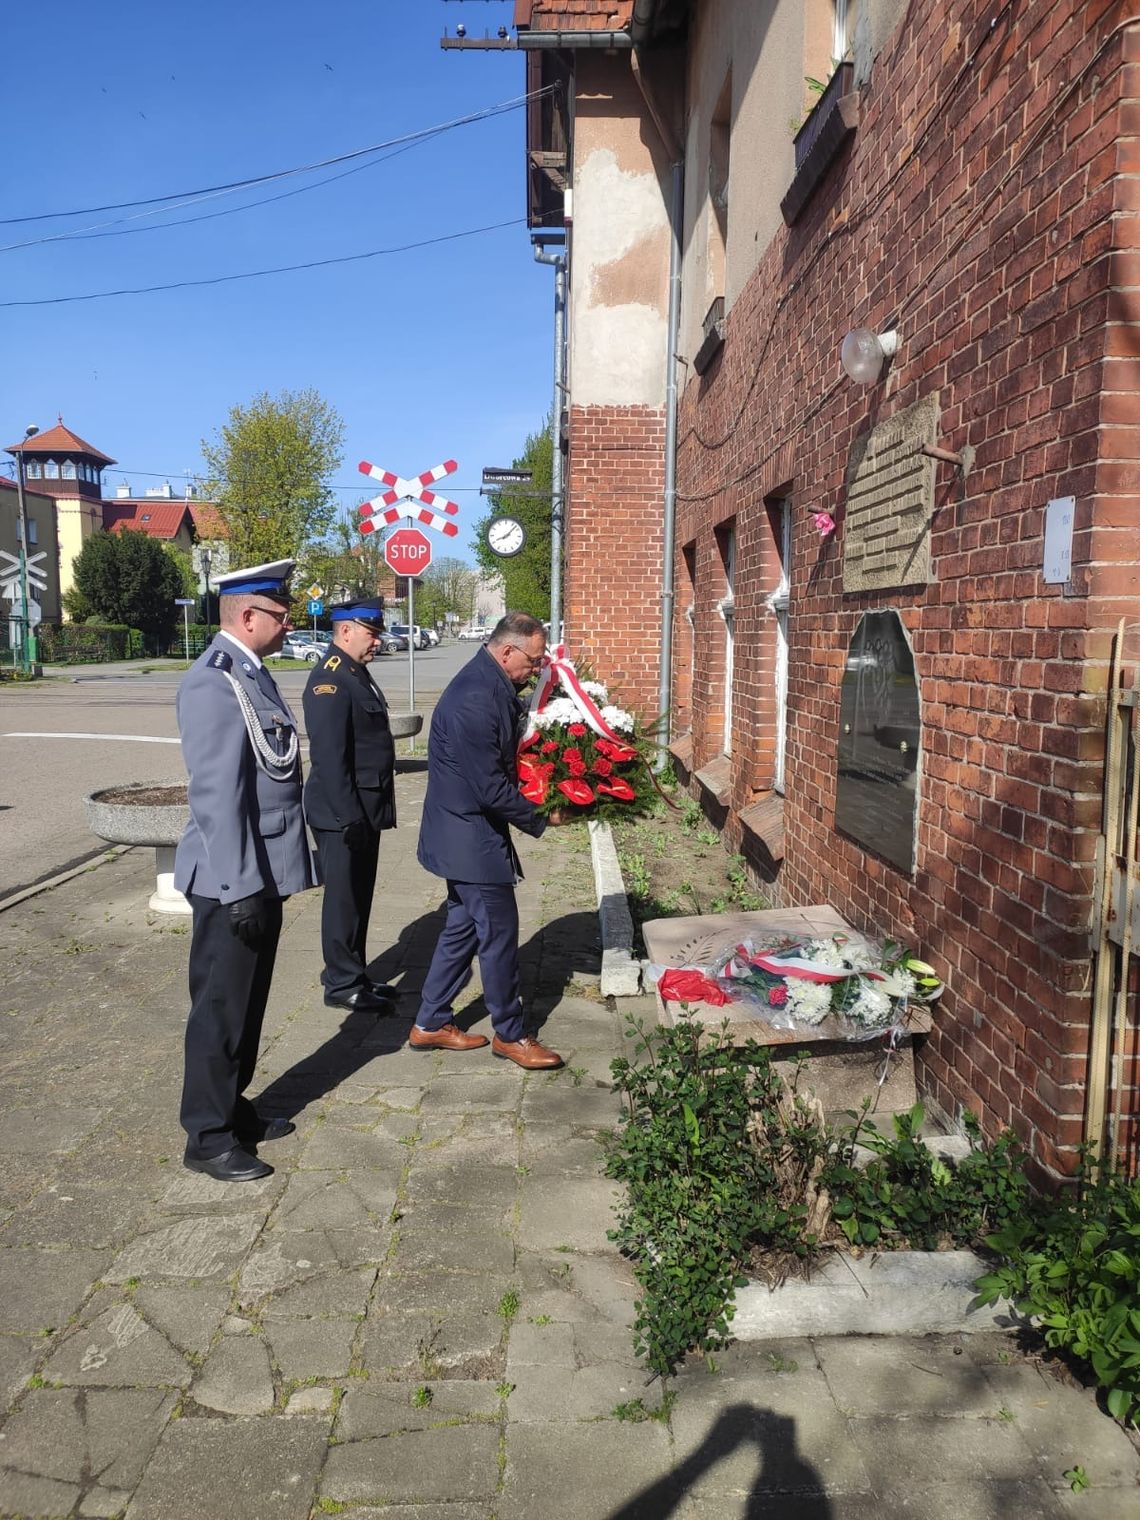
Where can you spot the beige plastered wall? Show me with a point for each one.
(619, 287)
(41, 511)
(763, 44)
(77, 520)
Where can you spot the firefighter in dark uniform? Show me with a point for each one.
(349, 799)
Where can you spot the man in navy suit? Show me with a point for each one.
(244, 851)
(472, 799)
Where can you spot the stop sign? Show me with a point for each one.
(407, 552)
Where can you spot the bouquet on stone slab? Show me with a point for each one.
(580, 755)
(858, 986)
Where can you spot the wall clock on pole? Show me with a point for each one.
(505, 536)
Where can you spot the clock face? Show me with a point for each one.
(505, 536)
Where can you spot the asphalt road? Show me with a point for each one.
(99, 726)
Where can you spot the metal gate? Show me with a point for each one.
(1110, 1122)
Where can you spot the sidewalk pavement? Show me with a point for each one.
(418, 1316)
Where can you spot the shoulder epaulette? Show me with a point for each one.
(220, 660)
(332, 662)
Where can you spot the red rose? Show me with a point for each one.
(577, 729)
(572, 756)
(576, 791)
(777, 996)
(618, 788)
(602, 767)
(577, 769)
(549, 747)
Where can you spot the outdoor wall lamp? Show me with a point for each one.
(865, 352)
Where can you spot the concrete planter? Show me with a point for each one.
(141, 814)
(405, 725)
(883, 1293)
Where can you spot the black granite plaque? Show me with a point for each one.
(876, 790)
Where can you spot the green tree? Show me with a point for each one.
(448, 586)
(128, 578)
(526, 577)
(269, 469)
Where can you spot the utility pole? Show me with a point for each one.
(557, 500)
(27, 641)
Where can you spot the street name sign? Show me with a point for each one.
(493, 475)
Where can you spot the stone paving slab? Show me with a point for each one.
(216, 1469)
(419, 1315)
(416, 1466)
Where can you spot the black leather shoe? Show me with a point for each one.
(383, 990)
(363, 1000)
(231, 1166)
(268, 1129)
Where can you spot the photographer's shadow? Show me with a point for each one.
(360, 1037)
(787, 1486)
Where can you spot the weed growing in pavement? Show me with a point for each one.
(1076, 1478)
(509, 1305)
(504, 1390)
(778, 1363)
(428, 1348)
(636, 1412)
(539, 1319)
(422, 1397)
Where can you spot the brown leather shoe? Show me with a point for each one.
(450, 1037)
(526, 1053)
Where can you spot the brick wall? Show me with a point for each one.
(612, 584)
(988, 205)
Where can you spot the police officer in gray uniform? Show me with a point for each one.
(244, 851)
(350, 797)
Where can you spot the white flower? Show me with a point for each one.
(899, 984)
(618, 718)
(808, 1002)
(596, 690)
(872, 1007)
(559, 711)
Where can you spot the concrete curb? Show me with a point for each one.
(69, 873)
(621, 974)
(892, 1293)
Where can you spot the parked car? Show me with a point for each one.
(299, 647)
(421, 638)
(476, 635)
(392, 643)
(432, 637)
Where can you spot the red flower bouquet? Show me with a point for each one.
(581, 757)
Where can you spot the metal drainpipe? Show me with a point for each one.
(665, 686)
(557, 501)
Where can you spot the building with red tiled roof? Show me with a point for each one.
(573, 15)
(170, 521)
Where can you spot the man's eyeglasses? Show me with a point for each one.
(278, 617)
(533, 660)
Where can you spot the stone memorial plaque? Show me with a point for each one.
(876, 786)
(890, 501)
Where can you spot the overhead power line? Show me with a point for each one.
(261, 179)
(257, 274)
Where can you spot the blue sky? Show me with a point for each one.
(441, 352)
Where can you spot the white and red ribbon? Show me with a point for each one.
(557, 667)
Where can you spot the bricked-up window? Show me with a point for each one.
(720, 129)
(726, 540)
(780, 519)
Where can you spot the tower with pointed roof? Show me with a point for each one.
(60, 464)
